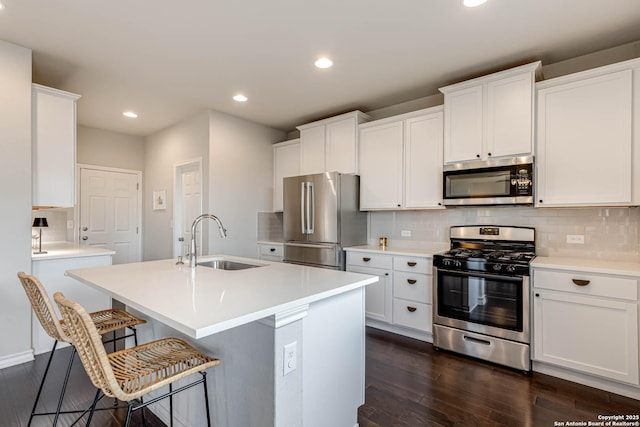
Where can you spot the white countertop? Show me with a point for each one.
(426, 250)
(203, 301)
(56, 250)
(588, 265)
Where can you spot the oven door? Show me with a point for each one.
(485, 303)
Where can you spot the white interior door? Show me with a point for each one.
(109, 212)
(188, 204)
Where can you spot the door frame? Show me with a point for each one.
(76, 208)
(177, 199)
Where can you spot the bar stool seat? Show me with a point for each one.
(105, 321)
(134, 372)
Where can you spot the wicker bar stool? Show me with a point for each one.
(105, 321)
(134, 372)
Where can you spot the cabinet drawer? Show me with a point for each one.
(587, 284)
(366, 259)
(412, 314)
(412, 286)
(271, 250)
(413, 264)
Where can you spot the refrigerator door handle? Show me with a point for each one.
(302, 199)
(311, 208)
(311, 245)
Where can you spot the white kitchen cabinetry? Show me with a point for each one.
(271, 251)
(490, 116)
(586, 322)
(286, 162)
(400, 161)
(586, 138)
(331, 144)
(412, 285)
(51, 273)
(54, 147)
(378, 295)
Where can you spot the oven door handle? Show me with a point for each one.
(499, 277)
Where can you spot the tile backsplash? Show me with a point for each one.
(609, 233)
(57, 219)
(270, 226)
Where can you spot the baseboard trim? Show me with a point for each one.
(16, 359)
(407, 332)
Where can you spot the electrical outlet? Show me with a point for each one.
(70, 224)
(575, 239)
(290, 359)
(405, 233)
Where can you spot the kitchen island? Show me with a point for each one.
(246, 318)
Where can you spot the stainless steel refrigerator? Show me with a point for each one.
(321, 217)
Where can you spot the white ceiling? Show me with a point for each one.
(168, 60)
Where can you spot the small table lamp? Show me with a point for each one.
(40, 222)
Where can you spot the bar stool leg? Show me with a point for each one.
(206, 397)
(93, 407)
(46, 371)
(170, 406)
(129, 409)
(64, 387)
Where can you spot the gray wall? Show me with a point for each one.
(184, 141)
(15, 187)
(111, 149)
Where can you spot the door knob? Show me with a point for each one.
(85, 238)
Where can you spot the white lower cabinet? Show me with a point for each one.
(269, 251)
(402, 297)
(587, 323)
(50, 272)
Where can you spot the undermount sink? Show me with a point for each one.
(225, 264)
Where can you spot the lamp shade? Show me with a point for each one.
(40, 222)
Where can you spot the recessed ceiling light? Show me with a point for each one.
(323, 63)
(130, 114)
(1, 6)
(473, 3)
(240, 98)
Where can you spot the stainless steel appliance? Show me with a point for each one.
(493, 182)
(481, 294)
(321, 216)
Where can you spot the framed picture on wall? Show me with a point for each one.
(159, 200)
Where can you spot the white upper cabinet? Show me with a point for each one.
(400, 161)
(331, 144)
(286, 162)
(490, 116)
(586, 142)
(54, 147)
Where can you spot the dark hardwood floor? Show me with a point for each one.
(408, 383)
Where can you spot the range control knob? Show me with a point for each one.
(511, 268)
(457, 263)
(497, 267)
(446, 262)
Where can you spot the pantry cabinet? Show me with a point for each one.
(400, 161)
(331, 144)
(286, 162)
(490, 116)
(586, 322)
(587, 138)
(53, 147)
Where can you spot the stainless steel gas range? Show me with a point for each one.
(481, 294)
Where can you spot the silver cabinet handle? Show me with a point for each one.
(84, 229)
(85, 238)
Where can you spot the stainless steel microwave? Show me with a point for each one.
(494, 182)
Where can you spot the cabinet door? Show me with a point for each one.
(423, 162)
(584, 145)
(509, 116)
(593, 335)
(378, 296)
(54, 147)
(341, 146)
(381, 166)
(286, 162)
(463, 125)
(312, 150)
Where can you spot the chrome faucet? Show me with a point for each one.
(193, 258)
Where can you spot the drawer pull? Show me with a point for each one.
(411, 263)
(411, 309)
(581, 282)
(365, 259)
(411, 281)
(272, 249)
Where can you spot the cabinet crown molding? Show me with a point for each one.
(359, 115)
(403, 116)
(56, 92)
(592, 72)
(534, 67)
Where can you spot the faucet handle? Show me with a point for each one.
(179, 260)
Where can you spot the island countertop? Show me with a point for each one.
(203, 301)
